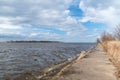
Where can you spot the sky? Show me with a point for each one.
(57, 20)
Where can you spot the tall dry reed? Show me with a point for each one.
(112, 48)
(105, 38)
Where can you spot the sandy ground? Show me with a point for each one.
(95, 66)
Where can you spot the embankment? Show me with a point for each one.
(90, 65)
(54, 71)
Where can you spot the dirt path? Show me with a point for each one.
(95, 66)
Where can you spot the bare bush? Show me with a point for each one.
(105, 37)
(117, 32)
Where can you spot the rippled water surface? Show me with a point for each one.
(17, 58)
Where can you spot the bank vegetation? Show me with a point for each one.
(110, 43)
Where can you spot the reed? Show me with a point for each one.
(112, 49)
(105, 38)
(114, 53)
(111, 45)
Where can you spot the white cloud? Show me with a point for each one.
(9, 26)
(5, 23)
(45, 35)
(85, 19)
(107, 12)
(16, 14)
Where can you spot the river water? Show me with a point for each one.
(18, 58)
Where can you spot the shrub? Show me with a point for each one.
(117, 32)
(105, 37)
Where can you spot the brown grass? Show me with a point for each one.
(111, 46)
(105, 38)
(113, 50)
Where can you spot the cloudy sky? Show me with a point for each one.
(59, 20)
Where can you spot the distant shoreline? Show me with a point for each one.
(27, 41)
(34, 42)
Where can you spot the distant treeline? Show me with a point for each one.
(34, 42)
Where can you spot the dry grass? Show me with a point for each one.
(114, 53)
(112, 48)
(105, 38)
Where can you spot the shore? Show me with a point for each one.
(91, 65)
(95, 66)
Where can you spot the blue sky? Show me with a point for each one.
(57, 20)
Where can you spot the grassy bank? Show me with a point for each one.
(112, 49)
(111, 45)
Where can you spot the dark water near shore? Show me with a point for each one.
(18, 58)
